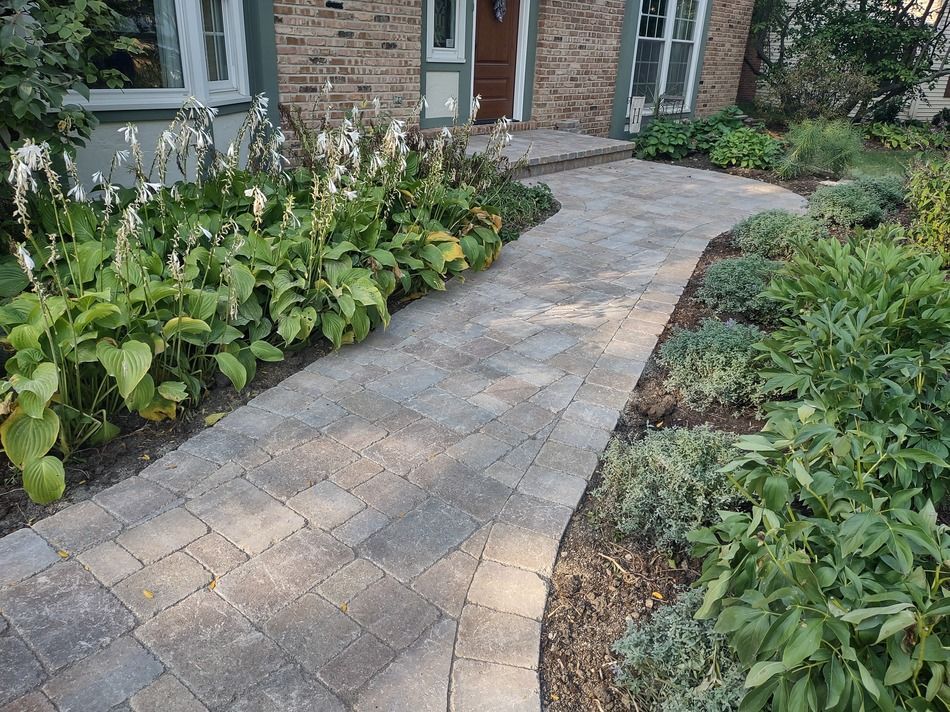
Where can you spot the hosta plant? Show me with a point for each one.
(745, 148)
(134, 298)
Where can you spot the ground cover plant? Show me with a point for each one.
(675, 663)
(713, 364)
(736, 286)
(845, 205)
(889, 191)
(667, 484)
(774, 233)
(519, 205)
(133, 299)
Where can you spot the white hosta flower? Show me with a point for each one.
(204, 231)
(327, 87)
(121, 157)
(446, 132)
(260, 200)
(98, 178)
(377, 106)
(331, 186)
(130, 134)
(451, 104)
(350, 194)
(25, 259)
(31, 154)
(21, 177)
(147, 191)
(476, 104)
(77, 193)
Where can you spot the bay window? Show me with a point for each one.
(184, 48)
(666, 50)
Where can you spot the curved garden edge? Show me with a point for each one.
(602, 275)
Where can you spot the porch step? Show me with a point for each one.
(549, 151)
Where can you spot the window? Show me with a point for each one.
(187, 48)
(665, 57)
(445, 30)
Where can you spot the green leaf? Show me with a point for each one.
(896, 623)
(26, 439)
(36, 390)
(44, 480)
(803, 643)
(185, 325)
(232, 368)
(12, 279)
(332, 325)
(761, 672)
(127, 365)
(142, 394)
(173, 391)
(266, 352)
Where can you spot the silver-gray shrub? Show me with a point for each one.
(713, 364)
(736, 286)
(660, 488)
(774, 233)
(674, 663)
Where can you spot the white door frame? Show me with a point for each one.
(521, 55)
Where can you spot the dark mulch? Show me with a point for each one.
(601, 583)
(93, 470)
(803, 186)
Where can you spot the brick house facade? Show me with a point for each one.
(372, 48)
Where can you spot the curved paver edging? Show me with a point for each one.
(376, 532)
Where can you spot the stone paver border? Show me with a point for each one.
(376, 532)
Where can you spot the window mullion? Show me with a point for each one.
(667, 46)
(192, 43)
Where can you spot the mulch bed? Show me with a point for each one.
(600, 582)
(803, 186)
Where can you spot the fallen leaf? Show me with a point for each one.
(211, 586)
(63, 554)
(146, 456)
(658, 596)
(344, 606)
(148, 594)
(213, 418)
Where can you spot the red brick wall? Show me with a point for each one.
(576, 68)
(727, 33)
(364, 47)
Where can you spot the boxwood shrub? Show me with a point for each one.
(774, 233)
(737, 285)
(845, 205)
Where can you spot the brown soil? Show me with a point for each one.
(92, 470)
(803, 186)
(601, 583)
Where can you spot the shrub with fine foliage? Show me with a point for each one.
(674, 663)
(890, 192)
(845, 205)
(929, 197)
(713, 364)
(666, 485)
(774, 233)
(820, 146)
(735, 286)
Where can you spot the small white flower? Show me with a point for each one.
(147, 191)
(205, 231)
(121, 157)
(77, 193)
(377, 105)
(25, 258)
(451, 104)
(130, 134)
(327, 87)
(98, 178)
(350, 194)
(446, 132)
(31, 154)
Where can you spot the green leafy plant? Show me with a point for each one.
(775, 233)
(745, 148)
(135, 300)
(664, 138)
(707, 132)
(736, 286)
(675, 663)
(908, 137)
(660, 488)
(520, 206)
(890, 192)
(820, 146)
(928, 195)
(713, 364)
(832, 583)
(844, 205)
(49, 48)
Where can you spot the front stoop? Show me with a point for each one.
(548, 151)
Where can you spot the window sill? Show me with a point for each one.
(111, 100)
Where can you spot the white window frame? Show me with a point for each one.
(668, 41)
(191, 43)
(456, 54)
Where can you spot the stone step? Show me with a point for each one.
(544, 151)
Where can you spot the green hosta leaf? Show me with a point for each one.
(266, 352)
(26, 439)
(202, 304)
(185, 325)
(25, 336)
(174, 391)
(360, 324)
(127, 365)
(142, 394)
(36, 390)
(232, 368)
(12, 279)
(241, 281)
(94, 313)
(44, 479)
(332, 325)
(433, 255)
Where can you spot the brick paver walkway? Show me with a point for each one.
(377, 532)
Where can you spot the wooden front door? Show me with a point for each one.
(496, 54)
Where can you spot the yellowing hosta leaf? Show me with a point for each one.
(184, 325)
(441, 236)
(127, 365)
(159, 409)
(173, 391)
(213, 418)
(44, 480)
(27, 439)
(452, 251)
